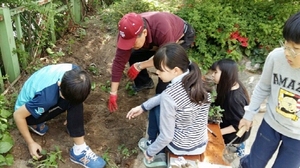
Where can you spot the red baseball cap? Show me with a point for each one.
(130, 26)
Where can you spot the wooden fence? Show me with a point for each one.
(14, 24)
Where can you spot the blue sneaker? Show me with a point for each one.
(39, 129)
(87, 159)
(240, 150)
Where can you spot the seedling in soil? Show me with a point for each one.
(106, 87)
(47, 160)
(129, 89)
(107, 159)
(125, 152)
(93, 69)
(93, 86)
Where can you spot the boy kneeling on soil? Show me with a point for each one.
(49, 92)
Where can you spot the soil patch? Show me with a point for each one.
(107, 133)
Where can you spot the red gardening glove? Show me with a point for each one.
(133, 72)
(112, 103)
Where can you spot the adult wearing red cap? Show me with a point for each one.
(140, 35)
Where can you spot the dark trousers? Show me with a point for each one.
(266, 142)
(189, 37)
(153, 123)
(75, 123)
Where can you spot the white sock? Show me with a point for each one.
(79, 148)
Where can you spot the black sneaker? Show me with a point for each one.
(149, 85)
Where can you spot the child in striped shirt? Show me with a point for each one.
(184, 107)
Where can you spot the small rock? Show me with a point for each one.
(252, 68)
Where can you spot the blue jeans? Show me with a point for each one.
(153, 123)
(266, 142)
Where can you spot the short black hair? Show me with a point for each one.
(75, 86)
(291, 29)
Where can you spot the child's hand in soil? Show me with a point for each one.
(33, 149)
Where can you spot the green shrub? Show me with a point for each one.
(231, 29)
(111, 16)
(6, 141)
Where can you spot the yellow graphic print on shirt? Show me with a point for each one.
(288, 104)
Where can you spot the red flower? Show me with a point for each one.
(244, 44)
(242, 39)
(234, 35)
(229, 51)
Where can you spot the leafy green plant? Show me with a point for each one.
(106, 87)
(6, 141)
(130, 90)
(49, 159)
(34, 66)
(93, 86)
(93, 69)
(80, 33)
(226, 29)
(215, 112)
(107, 159)
(105, 156)
(114, 13)
(125, 152)
(71, 41)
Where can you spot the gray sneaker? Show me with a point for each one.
(144, 143)
(236, 163)
(159, 161)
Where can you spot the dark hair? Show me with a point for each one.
(75, 86)
(228, 78)
(144, 27)
(291, 29)
(173, 55)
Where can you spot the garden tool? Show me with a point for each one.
(211, 132)
(229, 155)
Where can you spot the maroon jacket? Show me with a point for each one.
(162, 28)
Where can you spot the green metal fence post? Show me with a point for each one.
(20, 36)
(7, 44)
(1, 83)
(76, 10)
(52, 23)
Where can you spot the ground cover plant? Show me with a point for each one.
(234, 29)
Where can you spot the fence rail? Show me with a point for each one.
(14, 25)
